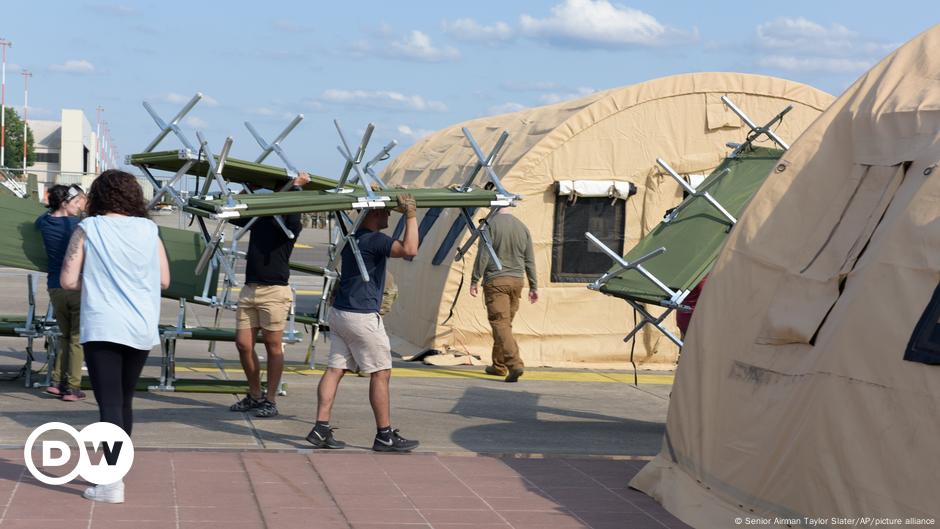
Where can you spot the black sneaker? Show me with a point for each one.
(395, 443)
(514, 375)
(318, 440)
(247, 403)
(266, 408)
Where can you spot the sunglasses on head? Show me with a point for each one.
(73, 193)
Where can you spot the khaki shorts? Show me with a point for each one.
(264, 306)
(358, 342)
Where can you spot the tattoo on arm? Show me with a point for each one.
(75, 245)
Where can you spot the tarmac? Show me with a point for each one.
(556, 449)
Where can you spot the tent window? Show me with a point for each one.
(574, 259)
(925, 342)
(456, 229)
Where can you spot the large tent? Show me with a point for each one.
(808, 384)
(590, 149)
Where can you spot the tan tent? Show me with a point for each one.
(613, 136)
(804, 387)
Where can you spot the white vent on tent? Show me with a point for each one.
(596, 188)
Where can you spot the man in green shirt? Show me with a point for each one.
(502, 289)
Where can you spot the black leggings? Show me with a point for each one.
(114, 370)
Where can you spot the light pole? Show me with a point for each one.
(4, 44)
(105, 162)
(98, 112)
(26, 76)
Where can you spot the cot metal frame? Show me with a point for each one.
(10, 183)
(674, 298)
(756, 131)
(169, 337)
(503, 197)
(186, 153)
(33, 328)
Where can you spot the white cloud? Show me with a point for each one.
(414, 46)
(470, 30)
(600, 24)
(506, 108)
(413, 134)
(196, 123)
(801, 45)
(417, 46)
(556, 97)
(815, 64)
(76, 66)
(180, 99)
(385, 100)
(268, 112)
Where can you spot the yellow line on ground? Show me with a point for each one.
(417, 372)
(302, 245)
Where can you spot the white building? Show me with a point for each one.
(65, 151)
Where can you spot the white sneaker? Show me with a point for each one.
(111, 493)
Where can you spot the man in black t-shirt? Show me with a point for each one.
(264, 303)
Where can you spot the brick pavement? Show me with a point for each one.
(169, 489)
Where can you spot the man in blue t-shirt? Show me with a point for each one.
(357, 335)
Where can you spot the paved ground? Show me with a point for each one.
(242, 490)
(556, 449)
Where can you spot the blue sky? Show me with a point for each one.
(410, 67)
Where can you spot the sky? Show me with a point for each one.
(408, 67)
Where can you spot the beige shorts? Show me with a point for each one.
(358, 342)
(264, 306)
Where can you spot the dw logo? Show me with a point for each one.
(105, 453)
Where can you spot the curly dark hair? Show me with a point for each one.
(116, 191)
(56, 195)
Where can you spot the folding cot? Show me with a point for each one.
(33, 327)
(678, 253)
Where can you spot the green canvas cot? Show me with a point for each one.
(239, 171)
(693, 239)
(320, 201)
(21, 246)
(680, 251)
